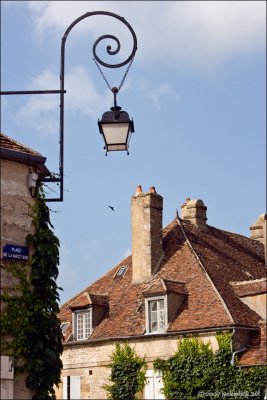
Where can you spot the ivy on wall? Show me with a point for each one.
(127, 373)
(30, 328)
(196, 372)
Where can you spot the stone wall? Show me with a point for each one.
(16, 224)
(90, 360)
(16, 202)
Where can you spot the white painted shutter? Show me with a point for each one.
(7, 378)
(158, 385)
(7, 389)
(75, 387)
(153, 385)
(149, 385)
(65, 384)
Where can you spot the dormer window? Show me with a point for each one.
(83, 324)
(156, 314)
(163, 300)
(88, 310)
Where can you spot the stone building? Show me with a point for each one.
(20, 169)
(188, 278)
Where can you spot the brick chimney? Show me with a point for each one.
(194, 211)
(147, 251)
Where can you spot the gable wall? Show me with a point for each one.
(257, 303)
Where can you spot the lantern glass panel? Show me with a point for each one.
(116, 134)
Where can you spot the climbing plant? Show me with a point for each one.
(127, 373)
(196, 372)
(30, 328)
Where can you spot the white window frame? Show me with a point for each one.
(86, 331)
(148, 314)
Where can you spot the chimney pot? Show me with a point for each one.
(138, 190)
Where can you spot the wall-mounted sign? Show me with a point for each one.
(15, 252)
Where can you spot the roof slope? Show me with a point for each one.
(204, 262)
(12, 144)
(13, 150)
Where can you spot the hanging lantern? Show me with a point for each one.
(116, 128)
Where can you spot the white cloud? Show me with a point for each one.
(127, 253)
(60, 14)
(41, 112)
(155, 94)
(195, 34)
(83, 95)
(186, 34)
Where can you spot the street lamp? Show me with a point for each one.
(115, 125)
(116, 128)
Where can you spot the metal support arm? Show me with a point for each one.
(60, 176)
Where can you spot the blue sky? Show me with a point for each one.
(196, 92)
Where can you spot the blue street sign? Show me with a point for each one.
(15, 252)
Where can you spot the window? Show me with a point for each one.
(83, 324)
(121, 271)
(156, 314)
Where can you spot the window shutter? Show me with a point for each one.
(75, 387)
(153, 386)
(65, 384)
(149, 385)
(158, 385)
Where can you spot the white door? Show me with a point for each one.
(153, 385)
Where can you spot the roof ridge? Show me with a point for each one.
(239, 283)
(163, 283)
(203, 268)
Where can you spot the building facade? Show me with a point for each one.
(21, 167)
(188, 278)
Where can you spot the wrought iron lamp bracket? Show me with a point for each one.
(59, 178)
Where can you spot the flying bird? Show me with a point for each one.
(112, 208)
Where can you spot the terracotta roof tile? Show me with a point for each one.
(162, 286)
(211, 302)
(15, 151)
(12, 144)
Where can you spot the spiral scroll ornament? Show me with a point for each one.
(116, 50)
